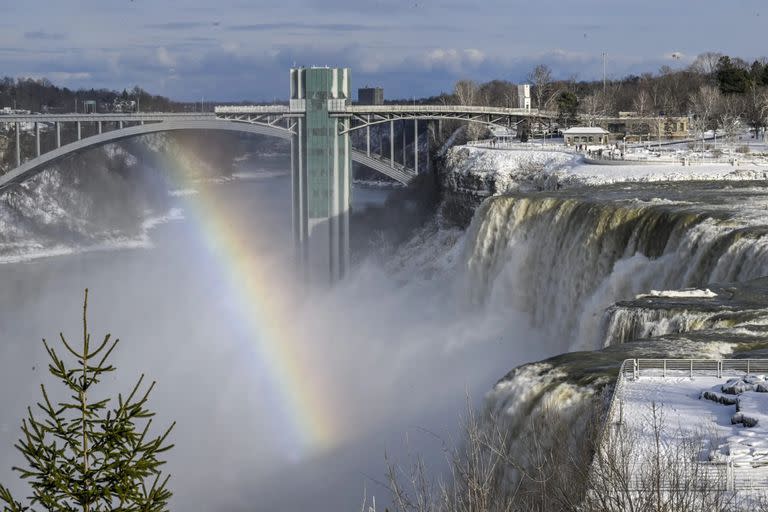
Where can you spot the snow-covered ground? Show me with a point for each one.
(729, 415)
(506, 170)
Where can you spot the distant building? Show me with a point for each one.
(89, 106)
(370, 96)
(585, 135)
(632, 126)
(524, 96)
(124, 106)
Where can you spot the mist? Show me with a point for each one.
(398, 347)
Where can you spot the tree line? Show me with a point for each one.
(718, 91)
(40, 95)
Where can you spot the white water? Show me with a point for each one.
(564, 261)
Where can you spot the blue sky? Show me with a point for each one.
(238, 49)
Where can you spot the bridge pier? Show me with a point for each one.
(79, 131)
(392, 144)
(18, 144)
(321, 173)
(416, 145)
(37, 139)
(368, 137)
(58, 134)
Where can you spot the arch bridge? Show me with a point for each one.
(317, 121)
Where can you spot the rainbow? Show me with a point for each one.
(285, 358)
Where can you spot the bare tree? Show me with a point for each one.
(705, 104)
(465, 92)
(730, 119)
(541, 78)
(641, 103)
(706, 63)
(756, 108)
(632, 472)
(594, 107)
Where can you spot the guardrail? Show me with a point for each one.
(250, 109)
(520, 146)
(682, 160)
(462, 109)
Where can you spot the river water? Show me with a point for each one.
(399, 355)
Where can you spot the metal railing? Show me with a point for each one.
(520, 146)
(636, 368)
(462, 109)
(251, 109)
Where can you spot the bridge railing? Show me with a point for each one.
(464, 109)
(250, 109)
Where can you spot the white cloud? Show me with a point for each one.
(455, 60)
(165, 58)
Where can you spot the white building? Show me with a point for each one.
(524, 96)
(585, 135)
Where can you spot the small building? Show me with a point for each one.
(585, 135)
(370, 96)
(631, 126)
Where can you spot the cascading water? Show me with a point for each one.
(565, 259)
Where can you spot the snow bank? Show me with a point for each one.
(689, 293)
(496, 171)
(705, 406)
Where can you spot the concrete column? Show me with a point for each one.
(416, 145)
(120, 125)
(58, 134)
(368, 136)
(345, 202)
(99, 127)
(392, 144)
(299, 199)
(295, 196)
(79, 131)
(402, 125)
(37, 139)
(18, 144)
(381, 140)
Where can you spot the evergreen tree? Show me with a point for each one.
(730, 77)
(567, 108)
(86, 454)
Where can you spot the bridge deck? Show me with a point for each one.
(127, 117)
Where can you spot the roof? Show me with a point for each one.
(593, 130)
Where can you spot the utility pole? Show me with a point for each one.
(604, 87)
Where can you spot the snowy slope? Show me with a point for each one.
(497, 171)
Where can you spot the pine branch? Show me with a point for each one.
(84, 455)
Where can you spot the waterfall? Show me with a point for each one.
(564, 260)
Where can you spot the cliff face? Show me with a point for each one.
(108, 195)
(469, 175)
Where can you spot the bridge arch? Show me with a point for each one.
(500, 123)
(37, 164)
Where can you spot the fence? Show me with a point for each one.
(730, 477)
(636, 368)
(521, 146)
